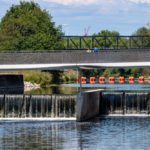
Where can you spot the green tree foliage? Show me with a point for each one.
(141, 41)
(68, 76)
(107, 39)
(42, 78)
(143, 31)
(110, 39)
(27, 27)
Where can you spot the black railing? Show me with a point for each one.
(79, 43)
(106, 42)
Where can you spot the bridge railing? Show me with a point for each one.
(106, 42)
(80, 43)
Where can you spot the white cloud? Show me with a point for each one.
(70, 2)
(140, 1)
(84, 2)
(89, 2)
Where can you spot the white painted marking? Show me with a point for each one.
(117, 64)
(73, 65)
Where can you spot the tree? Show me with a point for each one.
(141, 41)
(107, 39)
(143, 31)
(27, 27)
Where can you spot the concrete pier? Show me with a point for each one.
(87, 105)
(11, 84)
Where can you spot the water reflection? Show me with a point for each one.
(54, 90)
(37, 135)
(106, 133)
(74, 88)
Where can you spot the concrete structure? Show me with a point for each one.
(87, 105)
(11, 84)
(93, 103)
(75, 59)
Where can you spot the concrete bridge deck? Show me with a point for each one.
(66, 59)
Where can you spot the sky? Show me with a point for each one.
(78, 16)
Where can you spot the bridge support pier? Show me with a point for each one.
(87, 105)
(80, 75)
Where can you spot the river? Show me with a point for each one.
(115, 133)
(61, 131)
(74, 88)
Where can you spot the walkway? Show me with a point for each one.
(73, 59)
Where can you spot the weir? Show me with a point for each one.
(37, 106)
(84, 106)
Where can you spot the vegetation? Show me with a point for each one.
(27, 27)
(143, 31)
(42, 78)
(103, 43)
(69, 76)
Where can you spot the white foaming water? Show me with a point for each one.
(125, 115)
(36, 119)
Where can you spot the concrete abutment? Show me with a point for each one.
(87, 105)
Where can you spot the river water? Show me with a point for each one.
(108, 133)
(115, 133)
(75, 88)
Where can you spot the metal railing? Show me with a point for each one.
(106, 42)
(80, 43)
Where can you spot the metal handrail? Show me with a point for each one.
(103, 36)
(103, 44)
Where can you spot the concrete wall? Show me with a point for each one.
(87, 105)
(11, 84)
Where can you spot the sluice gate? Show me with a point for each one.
(124, 103)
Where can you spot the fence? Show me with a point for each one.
(106, 42)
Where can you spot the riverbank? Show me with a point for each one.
(28, 86)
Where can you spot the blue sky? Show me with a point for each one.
(125, 16)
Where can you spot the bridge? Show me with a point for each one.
(74, 59)
(83, 52)
(114, 51)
